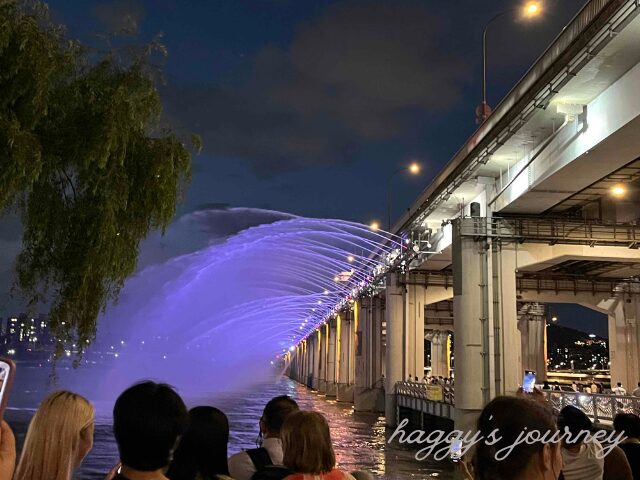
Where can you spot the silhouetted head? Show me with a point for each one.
(275, 413)
(629, 423)
(508, 417)
(202, 451)
(576, 422)
(619, 384)
(148, 418)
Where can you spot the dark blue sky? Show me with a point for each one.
(307, 106)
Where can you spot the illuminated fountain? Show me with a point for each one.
(217, 318)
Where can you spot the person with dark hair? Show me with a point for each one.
(148, 419)
(584, 460)
(581, 461)
(510, 416)
(629, 423)
(202, 451)
(619, 389)
(307, 448)
(636, 391)
(254, 462)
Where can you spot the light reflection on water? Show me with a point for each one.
(358, 438)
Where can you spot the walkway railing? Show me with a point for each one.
(601, 408)
(426, 391)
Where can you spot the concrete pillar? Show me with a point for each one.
(377, 317)
(470, 310)
(368, 392)
(532, 324)
(439, 352)
(324, 348)
(345, 344)
(506, 347)
(414, 331)
(316, 358)
(624, 343)
(331, 359)
(394, 314)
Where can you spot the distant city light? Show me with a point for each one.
(591, 335)
(554, 319)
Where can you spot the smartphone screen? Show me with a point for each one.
(529, 381)
(7, 369)
(456, 450)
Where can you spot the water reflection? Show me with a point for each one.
(359, 438)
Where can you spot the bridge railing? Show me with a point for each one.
(553, 230)
(601, 408)
(426, 391)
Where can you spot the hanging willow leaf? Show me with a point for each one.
(82, 157)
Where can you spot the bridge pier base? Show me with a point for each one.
(394, 314)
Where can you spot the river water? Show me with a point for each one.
(359, 438)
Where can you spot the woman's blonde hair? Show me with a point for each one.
(53, 439)
(306, 443)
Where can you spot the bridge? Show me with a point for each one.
(540, 205)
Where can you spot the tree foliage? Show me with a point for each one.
(84, 161)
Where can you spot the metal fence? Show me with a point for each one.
(601, 408)
(426, 391)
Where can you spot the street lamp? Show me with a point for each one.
(375, 226)
(414, 169)
(530, 10)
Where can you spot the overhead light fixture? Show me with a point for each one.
(618, 191)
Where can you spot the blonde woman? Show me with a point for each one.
(60, 435)
(307, 449)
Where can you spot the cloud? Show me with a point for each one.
(120, 16)
(350, 78)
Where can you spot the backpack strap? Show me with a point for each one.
(260, 458)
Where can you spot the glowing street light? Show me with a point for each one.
(350, 259)
(532, 9)
(413, 169)
(375, 226)
(554, 319)
(529, 11)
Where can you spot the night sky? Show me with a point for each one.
(308, 106)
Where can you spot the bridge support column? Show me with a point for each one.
(505, 339)
(487, 341)
(532, 324)
(345, 345)
(394, 355)
(368, 392)
(414, 331)
(332, 386)
(470, 311)
(624, 341)
(316, 338)
(439, 352)
(324, 349)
